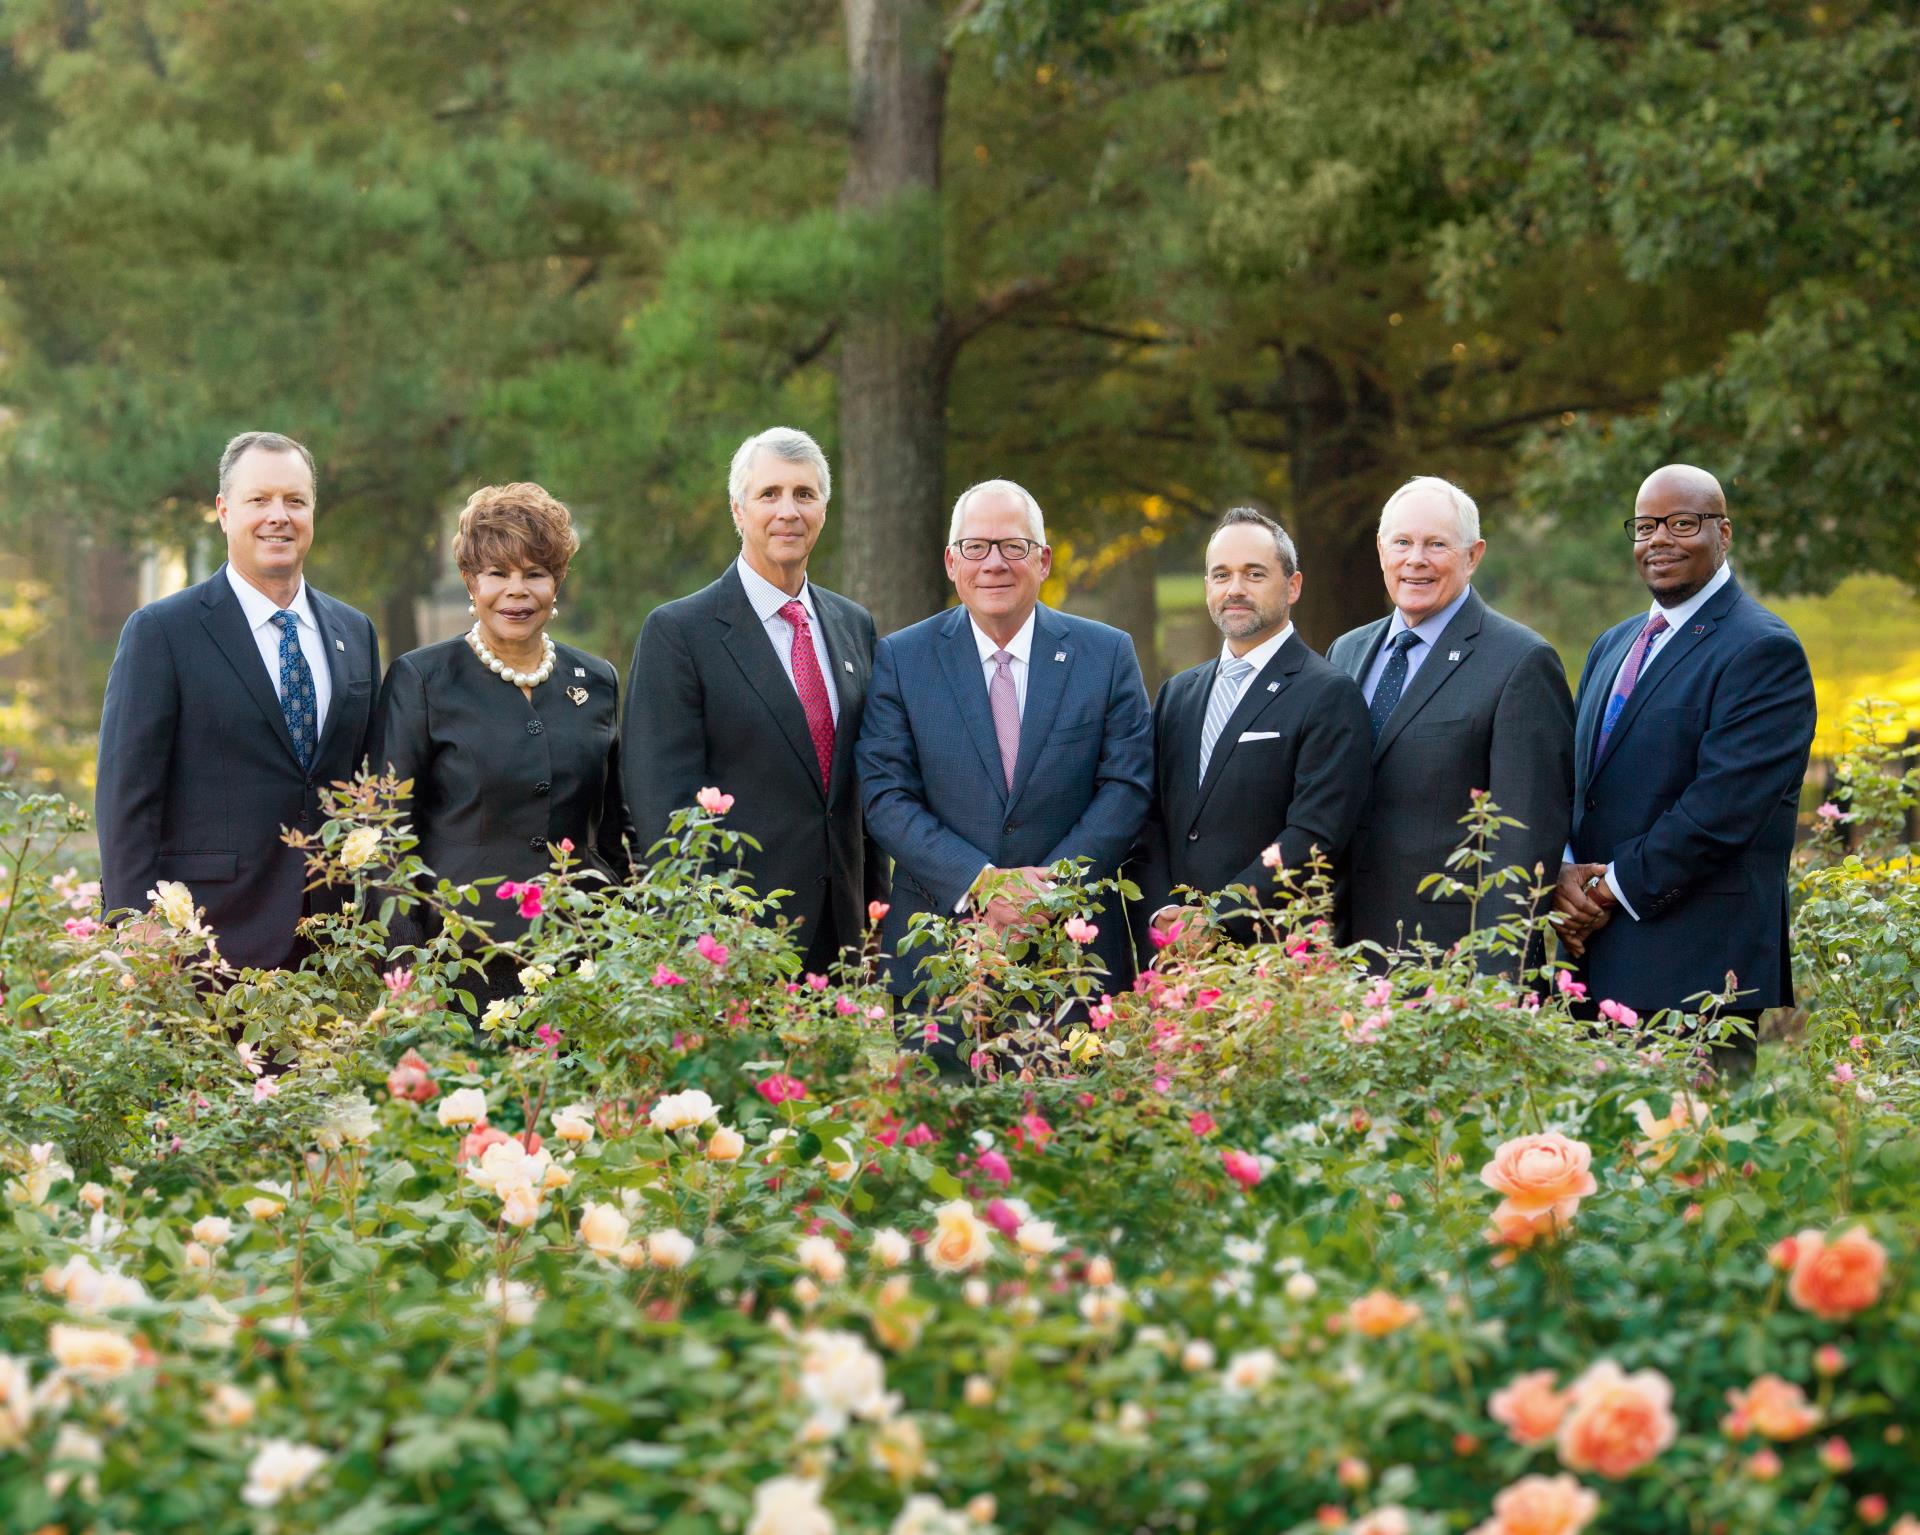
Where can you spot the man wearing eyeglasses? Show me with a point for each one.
(1694, 724)
(1001, 736)
(1460, 699)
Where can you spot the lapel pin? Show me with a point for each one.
(1699, 628)
(1273, 687)
(1453, 655)
(849, 666)
(1059, 655)
(339, 644)
(578, 695)
(579, 671)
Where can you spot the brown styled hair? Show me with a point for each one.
(517, 524)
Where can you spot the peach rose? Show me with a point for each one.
(726, 1145)
(603, 1229)
(1684, 1112)
(960, 1240)
(1529, 1407)
(1618, 1422)
(1834, 1279)
(91, 1351)
(1541, 1505)
(1772, 1408)
(1379, 1313)
(1538, 1173)
(1511, 1229)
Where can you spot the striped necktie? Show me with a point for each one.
(1226, 693)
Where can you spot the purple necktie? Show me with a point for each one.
(1006, 712)
(1629, 675)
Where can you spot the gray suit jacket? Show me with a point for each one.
(1488, 709)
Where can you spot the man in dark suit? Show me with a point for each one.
(755, 686)
(1001, 737)
(1459, 699)
(228, 706)
(1694, 724)
(1260, 755)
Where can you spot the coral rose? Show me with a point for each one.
(1538, 1173)
(1618, 1422)
(1772, 1408)
(960, 1240)
(1379, 1313)
(1541, 1505)
(1834, 1279)
(1529, 1407)
(411, 1079)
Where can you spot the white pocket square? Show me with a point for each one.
(1259, 735)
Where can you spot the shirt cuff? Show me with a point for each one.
(1613, 884)
(964, 906)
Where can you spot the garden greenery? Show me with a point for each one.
(679, 1241)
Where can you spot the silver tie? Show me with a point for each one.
(1226, 693)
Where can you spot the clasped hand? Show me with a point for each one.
(1006, 897)
(1581, 911)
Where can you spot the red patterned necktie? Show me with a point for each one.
(1628, 679)
(811, 686)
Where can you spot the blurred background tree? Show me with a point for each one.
(1150, 257)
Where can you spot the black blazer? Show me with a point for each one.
(1489, 709)
(497, 778)
(197, 774)
(1300, 782)
(1695, 803)
(708, 703)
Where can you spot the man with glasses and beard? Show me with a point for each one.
(1694, 721)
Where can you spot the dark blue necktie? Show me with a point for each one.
(296, 691)
(1392, 681)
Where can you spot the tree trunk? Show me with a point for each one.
(893, 360)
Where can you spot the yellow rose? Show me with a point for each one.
(175, 901)
(960, 1240)
(358, 847)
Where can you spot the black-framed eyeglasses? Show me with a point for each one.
(1679, 524)
(1015, 549)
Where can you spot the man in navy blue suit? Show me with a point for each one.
(1693, 724)
(1001, 736)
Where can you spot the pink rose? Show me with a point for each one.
(1080, 930)
(1538, 1173)
(530, 901)
(662, 976)
(412, 1080)
(1202, 1124)
(713, 801)
(781, 1088)
(994, 1166)
(1241, 1167)
(1619, 1013)
(1002, 1217)
(877, 911)
(712, 951)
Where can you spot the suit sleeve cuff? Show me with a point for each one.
(964, 906)
(1613, 884)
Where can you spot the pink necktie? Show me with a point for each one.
(1629, 676)
(811, 686)
(1006, 712)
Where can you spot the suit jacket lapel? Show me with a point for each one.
(1677, 653)
(331, 642)
(1048, 664)
(1260, 690)
(226, 622)
(1360, 657)
(746, 640)
(1454, 645)
(960, 660)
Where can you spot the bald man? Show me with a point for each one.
(1693, 723)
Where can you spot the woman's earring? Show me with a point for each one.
(554, 611)
(470, 610)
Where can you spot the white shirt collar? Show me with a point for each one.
(766, 599)
(1433, 625)
(260, 608)
(1677, 616)
(1261, 654)
(1020, 647)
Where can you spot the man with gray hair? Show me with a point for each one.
(1002, 737)
(755, 686)
(228, 706)
(1260, 755)
(1459, 700)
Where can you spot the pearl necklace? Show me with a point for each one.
(506, 673)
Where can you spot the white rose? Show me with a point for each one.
(820, 1257)
(842, 1378)
(272, 1199)
(1036, 1238)
(519, 1205)
(588, 969)
(228, 1406)
(92, 1352)
(92, 1196)
(508, 1162)
(976, 1292)
(516, 1303)
(175, 901)
(1197, 1356)
(358, 847)
(16, 1402)
(891, 1248)
(789, 1505)
(960, 1240)
(924, 1514)
(348, 1121)
(213, 1230)
(75, 1445)
(573, 1124)
(669, 1249)
(1104, 1307)
(1251, 1370)
(1302, 1287)
(280, 1467)
(681, 1111)
(464, 1106)
(603, 1228)
(977, 1392)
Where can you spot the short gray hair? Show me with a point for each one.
(1464, 511)
(268, 442)
(787, 442)
(1036, 524)
(1252, 516)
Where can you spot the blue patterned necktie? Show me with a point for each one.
(296, 690)
(1392, 681)
(1226, 693)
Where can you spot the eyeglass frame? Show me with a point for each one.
(996, 543)
(1661, 522)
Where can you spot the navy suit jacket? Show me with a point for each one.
(937, 799)
(197, 773)
(1694, 803)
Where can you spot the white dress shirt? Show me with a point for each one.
(1260, 655)
(1020, 647)
(260, 610)
(1675, 616)
(767, 600)
(1429, 629)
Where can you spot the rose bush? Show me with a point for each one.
(680, 1242)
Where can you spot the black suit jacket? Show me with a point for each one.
(1694, 804)
(498, 778)
(708, 703)
(1300, 782)
(1489, 709)
(197, 773)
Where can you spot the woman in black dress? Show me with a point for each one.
(511, 740)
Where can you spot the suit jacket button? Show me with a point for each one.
(1007, 827)
(534, 727)
(1589, 802)
(536, 843)
(1194, 835)
(542, 787)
